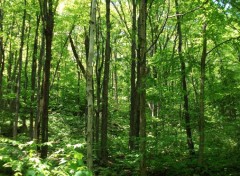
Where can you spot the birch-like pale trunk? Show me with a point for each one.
(90, 86)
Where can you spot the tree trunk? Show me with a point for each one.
(48, 22)
(184, 84)
(201, 98)
(104, 153)
(98, 70)
(1, 54)
(15, 124)
(33, 76)
(24, 124)
(142, 84)
(133, 110)
(115, 80)
(90, 86)
(39, 91)
(13, 81)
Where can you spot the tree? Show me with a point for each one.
(33, 76)
(15, 124)
(201, 98)
(184, 83)
(134, 132)
(142, 83)
(90, 85)
(104, 152)
(1, 52)
(48, 25)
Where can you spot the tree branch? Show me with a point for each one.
(122, 17)
(160, 32)
(77, 57)
(218, 45)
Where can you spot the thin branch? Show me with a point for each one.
(190, 11)
(160, 32)
(218, 45)
(121, 17)
(58, 63)
(77, 57)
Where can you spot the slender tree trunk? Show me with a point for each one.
(99, 66)
(24, 124)
(9, 72)
(1, 54)
(90, 85)
(15, 124)
(39, 91)
(142, 84)
(133, 111)
(104, 153)
(13, 81)
(33, 76)
(201, 98)
(48, 21)
(115, 80)
(10, 64)
(184, 84)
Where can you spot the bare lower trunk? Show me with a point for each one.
(142, 84)
(201, 99)
(133, 111)
(90, 86)
(1, 56)
(184, 85)
(48, 21)
(104, 153)
(15, 124)
(33, 78)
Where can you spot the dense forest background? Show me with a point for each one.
(120, 87)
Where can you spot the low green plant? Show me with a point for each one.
(22, 159)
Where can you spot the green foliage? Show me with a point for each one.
(22, 159)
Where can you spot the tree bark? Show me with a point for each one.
(115, 80)
(1, 55)
(15, 124)
(48, 22)
(104, 153)
(90, 86)
(33, 76)
(24, 123)
(98, 70)
(142, 84)
(39, 91)
(133, 111)
(184, 84)
(201, 98)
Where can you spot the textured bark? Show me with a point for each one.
(133, 111)
(39, 91)
(28, 31)
(15, 123)
(104, 153)
(184, 84)
(201, 98)
(142, 84)
(48, 21)
(98, 70)
(33, 76)
(90, 86)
